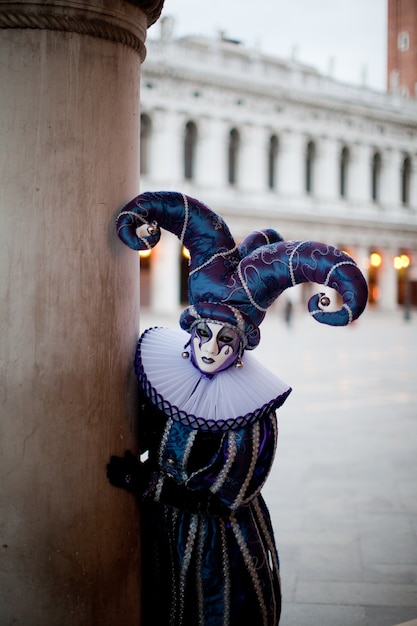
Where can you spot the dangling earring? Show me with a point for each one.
(239, 364)
(185, 354)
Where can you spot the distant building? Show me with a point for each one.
(267, 142)
(402, 47)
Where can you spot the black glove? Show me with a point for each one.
(180, 497)
(123, 472)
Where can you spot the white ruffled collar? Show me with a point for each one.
(175, 386)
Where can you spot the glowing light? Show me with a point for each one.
(402, 261)
(375, 259)
(397, 263)
(186, 253)
(405, 259)
(144, 254)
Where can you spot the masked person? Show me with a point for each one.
(207, 415)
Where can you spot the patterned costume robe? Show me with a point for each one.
(209, 551)
(209, 556)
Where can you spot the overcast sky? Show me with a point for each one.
(346, 38)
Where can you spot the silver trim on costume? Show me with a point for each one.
(186, 562)
(232, 450)
(226, 576)
(187, 452)
(255, 450)
(250, 565)
(186, 217)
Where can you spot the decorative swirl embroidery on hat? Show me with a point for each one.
(212, 258)
(247, 290)
(335, 266)
(249, 276)
(290, 264)
(136, 217)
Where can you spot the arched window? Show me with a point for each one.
(272, 161)
(233, 162)
(344, 167)
(190, 145)
(405, 180)
(376, 176)
(145, 140)
(310, 158)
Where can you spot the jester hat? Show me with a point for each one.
(236, 284)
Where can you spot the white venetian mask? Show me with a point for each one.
(214, 347)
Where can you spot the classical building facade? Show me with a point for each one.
(271, 143)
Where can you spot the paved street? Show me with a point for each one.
(343, 490)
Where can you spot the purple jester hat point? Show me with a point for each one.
(236, 284)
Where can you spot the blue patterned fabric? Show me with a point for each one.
(242, 280)
(209, 554)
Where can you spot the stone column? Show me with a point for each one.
(388, 281)
(360, 174)
(167, 166)
(212, 163)
(165, 275)
(254, 163)
(69, 151)
(328, 169)
(291, 163)
(413, 183)
(391, 179)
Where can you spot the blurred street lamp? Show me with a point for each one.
(374, 265)
(402, 264)
(144, 254)
(375, 259)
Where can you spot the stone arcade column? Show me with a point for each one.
(327, 171)
(212, 164)
(165, 275)
(291, 164)
(254, 161)
(391, 179)
(360, 174)
(69, 115)
(388, 281)
(413, 183)
(167, 165)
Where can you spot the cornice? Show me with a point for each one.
(365, 223)
(280, 94)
